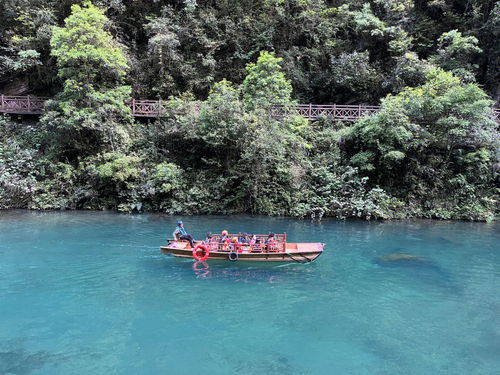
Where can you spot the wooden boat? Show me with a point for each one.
(279, 251)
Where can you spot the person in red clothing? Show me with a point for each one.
(224, 240)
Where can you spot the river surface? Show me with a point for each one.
(90, 293)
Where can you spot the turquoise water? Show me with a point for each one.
(89, 293)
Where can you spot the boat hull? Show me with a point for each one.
(301, 253)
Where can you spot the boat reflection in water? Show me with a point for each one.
(202, 270)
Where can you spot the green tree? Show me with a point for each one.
(265, 83)
(456, 54)
(352, 76)
(220, 116)
(25, 60)
(434, 144)
(89, 114)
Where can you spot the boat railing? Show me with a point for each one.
(279, 237)
(261, 245)
(277, 246)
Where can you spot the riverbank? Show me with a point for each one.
(317, 219)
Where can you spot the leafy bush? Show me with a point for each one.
(434, 144)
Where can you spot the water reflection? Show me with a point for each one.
(202, 270)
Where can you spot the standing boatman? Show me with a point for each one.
(181, 234)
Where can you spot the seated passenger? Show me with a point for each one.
(224, 236)
(243, 238)
(270, 242)
(208, 239)
(235, 245)
(224, 240)
(209, 243)
(181, 234)
(258, 245)
(253, 239)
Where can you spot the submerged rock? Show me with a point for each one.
(401, 259)
(22, 362)
(411, 265)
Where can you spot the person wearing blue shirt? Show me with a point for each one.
(181, 234)
(243, 238)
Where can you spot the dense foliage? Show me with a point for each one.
(432, 150)
(91, 106)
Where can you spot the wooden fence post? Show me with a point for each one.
(160, 109)
(29, 104)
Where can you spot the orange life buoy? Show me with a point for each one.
(204, 255)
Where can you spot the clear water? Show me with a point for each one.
(89, 293)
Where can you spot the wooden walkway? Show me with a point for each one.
(157, 108)
(336, 111)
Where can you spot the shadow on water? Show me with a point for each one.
(406, 260)
(273, 363)
(416, 268)
(15, 359)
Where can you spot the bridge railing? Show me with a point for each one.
(157, 108)
(148, 108)
(336, 111)
(22, 104)
(496, 114)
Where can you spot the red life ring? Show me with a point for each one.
(203, 257)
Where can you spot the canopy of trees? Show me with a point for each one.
(432, 151)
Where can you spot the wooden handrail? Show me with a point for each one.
(158, 108)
